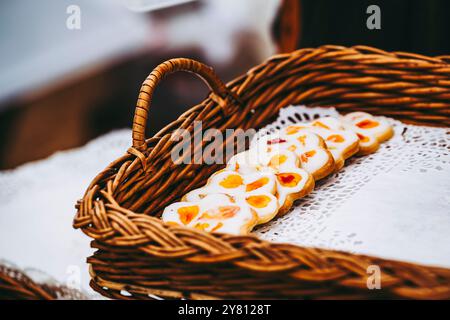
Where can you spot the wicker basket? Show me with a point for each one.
(15, 284)
(140, 254)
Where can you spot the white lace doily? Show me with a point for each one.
(394, 203)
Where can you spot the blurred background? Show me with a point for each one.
(71, 70)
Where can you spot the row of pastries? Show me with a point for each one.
(263, 182)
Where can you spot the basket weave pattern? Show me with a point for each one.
(138, 253)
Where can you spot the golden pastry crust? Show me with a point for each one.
(290, 199)
(366, 150)
(371, 130)
(327, 169)
(342, 143)
(386, 135)
(352, 150)
(247, 228)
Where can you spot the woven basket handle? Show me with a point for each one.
(219, 92)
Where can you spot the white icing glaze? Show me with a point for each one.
(241, 183)
(215, 212)
(246, 162)
(338, 142)
(357, 120)
(284, 190)
(308, 147)
(329, 123)
(279, 160)
(265, 205)
(331, 130)
(366, 139)
(254, 185)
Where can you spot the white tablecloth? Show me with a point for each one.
(37, 208)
